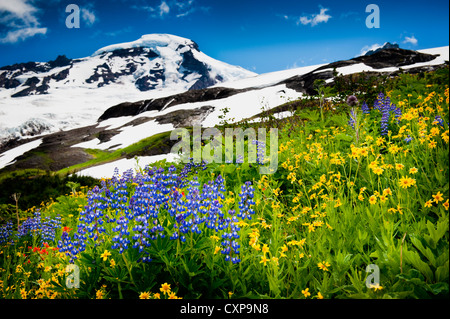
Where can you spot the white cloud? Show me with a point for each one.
(163, 8)
(368, 48)
(315, 19)
(19, 18)
(179, 8)
(19, 10)
(411, 40)
(22, 34)
(88, 16)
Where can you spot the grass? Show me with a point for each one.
(103, 157)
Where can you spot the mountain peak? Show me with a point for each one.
(386, 45)
(151, 41)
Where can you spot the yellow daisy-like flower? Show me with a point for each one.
(372, 199)
(413, 170)
(377, 170)
(165, 288)
(144, 295)
(172, 295)
(405, 182)
(438, 197)
(337, 203)
(99, 294)
(323, 265)
(445, 204)
(428, 203)
(23, 293)
(264, 260)
(380, 141)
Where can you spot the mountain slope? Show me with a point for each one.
(58, 95)
(124, 125)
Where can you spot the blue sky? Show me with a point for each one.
(259, 35)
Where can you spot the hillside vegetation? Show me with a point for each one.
(361, 183)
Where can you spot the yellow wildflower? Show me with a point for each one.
(323, 265)
(306, 292)
(144, 295)
(428, 203)
(264, 260)
(165, 288)
(445, 204)
(105, 255)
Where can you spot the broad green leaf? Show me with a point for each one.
(442, 272)
(436, 233)
(424, 250)
(413, 258)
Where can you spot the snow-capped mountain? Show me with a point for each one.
(58, 94)
(386, 45)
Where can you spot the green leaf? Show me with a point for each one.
(424, 250)
(440, 288)
(442, 273)
(229, 169)
(273, 285)
(202, 243)
(344, 137)
(436, 233)
(413, 258)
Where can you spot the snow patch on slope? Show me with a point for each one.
(241, 106)
(8, 157)
(107, 170)
(268, 79)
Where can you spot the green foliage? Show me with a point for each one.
(320, 219)
(36, 189)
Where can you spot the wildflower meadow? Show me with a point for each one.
(359, 186)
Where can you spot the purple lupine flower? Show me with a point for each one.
(6, 232)
(365, 108)
(408, 139)
(379, 102)
(352, 120)
(439, 120)
(384, 121)
(385, 107)
(43, 229)
(139, 209)
(260, 151)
